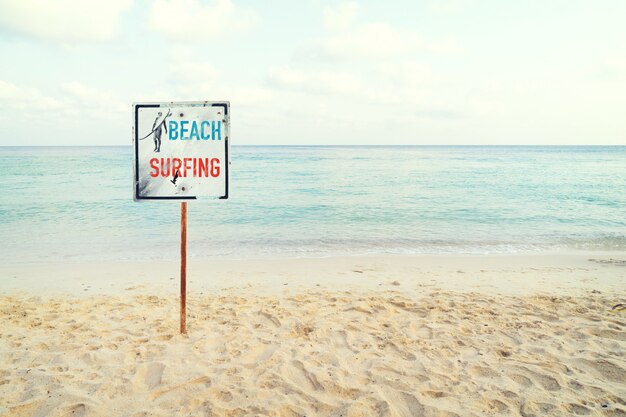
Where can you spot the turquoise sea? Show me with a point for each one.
(75, 203)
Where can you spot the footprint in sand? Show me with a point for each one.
(547, 382)
(483, 371)
(424, 332)
(531, 409)
(577, 409)
(605, 369)
(37, 407)
(521, 380)
(407, 356)
(405, 404)
(258, 355)
(435, 394)
(149, 375)
(224, 396)
(497, 406)
(271, 318)
(339, 340)
(301, 376)
(76, 410)
(301, 330)
(609, 334)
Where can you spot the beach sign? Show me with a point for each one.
(181, 150)
(181, 153)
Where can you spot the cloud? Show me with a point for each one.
(76, 101)
(407, 88)
(408, 73)
(185, 69)
(189, 20)
(340, 16)
(616, 62)
(372, 65)
(73, 110)
(448, 6)
(240, 96)
(314, 81)
(376, 41)
(15, 97)
(81, 97)
(188, 79)
(245, 96)
(191, 72)
(63, 20)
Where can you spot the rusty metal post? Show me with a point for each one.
(183, 267)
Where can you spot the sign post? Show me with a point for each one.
(183, 267)
(181, 153)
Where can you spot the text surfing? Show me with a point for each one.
(186, 167)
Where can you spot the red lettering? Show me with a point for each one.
(176, 166)
(203, 170)
(155, 167)
(215, 167)
(165, 167)
(196, 167)
(186, 165)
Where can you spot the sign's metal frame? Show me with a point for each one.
(137, 106)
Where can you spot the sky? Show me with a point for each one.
(316, 72)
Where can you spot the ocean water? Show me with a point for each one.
(75, 203)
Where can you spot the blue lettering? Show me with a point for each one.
(194, 131)
(218, 130)
(184, 129)
(173, 130)
(178, 130)
(205, 135)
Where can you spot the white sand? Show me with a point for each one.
(379, 336)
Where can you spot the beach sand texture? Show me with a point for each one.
(314, 352)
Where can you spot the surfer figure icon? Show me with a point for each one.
(175, 178)
(158, 128)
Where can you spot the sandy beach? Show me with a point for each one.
(361, 336)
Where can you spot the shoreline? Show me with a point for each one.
(505, 274)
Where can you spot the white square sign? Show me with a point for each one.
(181, 150)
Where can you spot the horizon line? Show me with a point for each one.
(335, 146)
